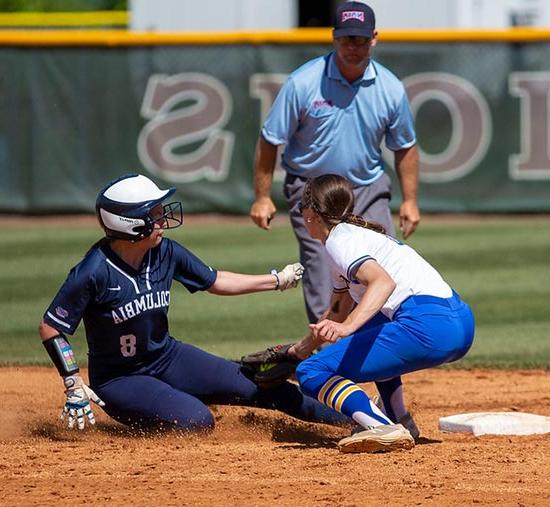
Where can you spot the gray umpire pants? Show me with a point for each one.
(371, 201)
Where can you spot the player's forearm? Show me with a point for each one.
(59, 350)
(340, 307)
(373, 300)
(46, 331)
(406, 166)
(305, 347)
(232, 284)
(264, 165)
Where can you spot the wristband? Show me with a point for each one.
(62, 355)
(274, 273)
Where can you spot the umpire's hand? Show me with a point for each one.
(409, 218)
(262, 212)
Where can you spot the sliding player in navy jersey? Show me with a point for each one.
(121, 289)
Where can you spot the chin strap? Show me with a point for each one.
(62, 355)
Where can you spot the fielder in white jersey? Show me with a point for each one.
(349, 246)
(391, 313)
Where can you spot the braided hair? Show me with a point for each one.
(331, 197)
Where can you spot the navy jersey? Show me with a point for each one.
(125, 311)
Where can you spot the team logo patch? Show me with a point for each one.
(353, 15)
(61, 312)
(318, 104)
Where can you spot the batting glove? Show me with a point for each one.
(78, 402)
(289, 276)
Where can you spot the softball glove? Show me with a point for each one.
(271, 367)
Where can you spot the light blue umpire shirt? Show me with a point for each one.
(332, 126)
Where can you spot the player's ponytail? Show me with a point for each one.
(361, 222)
(331, 197)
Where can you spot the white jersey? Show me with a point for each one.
(349, 246)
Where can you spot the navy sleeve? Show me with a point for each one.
(190, 271)
(68, 306)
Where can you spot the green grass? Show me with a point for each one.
(500, 266)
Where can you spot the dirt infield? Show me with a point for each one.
(259, 457)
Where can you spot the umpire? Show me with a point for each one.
(332, 114)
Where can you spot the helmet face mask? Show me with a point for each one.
(128, 208)
(171, 217)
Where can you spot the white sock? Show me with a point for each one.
(367, 421)
(398, 403)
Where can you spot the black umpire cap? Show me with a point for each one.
(354, 19)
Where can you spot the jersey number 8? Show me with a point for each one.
(128, 345)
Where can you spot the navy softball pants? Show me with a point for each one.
(175, 389)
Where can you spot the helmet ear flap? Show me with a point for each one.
(118, 226)
(146, 229)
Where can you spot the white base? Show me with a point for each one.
(496, 423)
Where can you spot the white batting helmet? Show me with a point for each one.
(124, 207)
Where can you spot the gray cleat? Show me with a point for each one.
(387, 437)
(407, 420)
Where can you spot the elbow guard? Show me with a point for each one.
(62, 355)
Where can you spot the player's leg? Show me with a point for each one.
(331, 374)
(214, 379)
(289, 399)
(390, 390)
(428, 336)
(376, 431)
(373, 202)
(391, 394)
(143, 401)
(316, 284)
(393, 404)
(423, 336)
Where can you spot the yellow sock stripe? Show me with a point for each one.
(335, 390)
(343, 395)
(326, 386)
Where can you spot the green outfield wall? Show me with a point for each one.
(77, 110)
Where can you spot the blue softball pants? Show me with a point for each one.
(174, 391)
(425, 331)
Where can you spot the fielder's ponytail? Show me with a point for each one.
(331, 197)
(359, 221)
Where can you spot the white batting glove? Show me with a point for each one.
(78, 402)
(290, 276)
